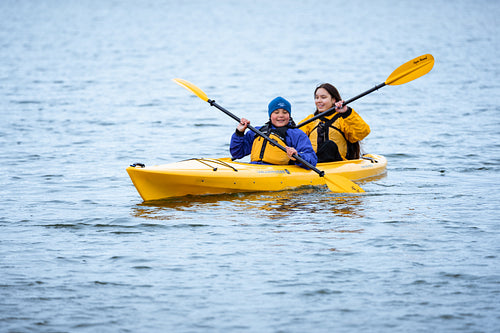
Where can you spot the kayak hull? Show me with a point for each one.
(221, 175)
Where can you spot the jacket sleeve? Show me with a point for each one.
(241, 145)
(354, 127)
(300, 141)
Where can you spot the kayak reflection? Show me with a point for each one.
(243, 207)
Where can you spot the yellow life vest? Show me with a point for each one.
(264, 151)
(342, 131)
(324, 131)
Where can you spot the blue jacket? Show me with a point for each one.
(241, 146)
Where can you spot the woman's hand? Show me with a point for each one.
(339, 108)
(242, 126)
(290, 151)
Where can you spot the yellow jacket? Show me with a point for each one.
(347, 126)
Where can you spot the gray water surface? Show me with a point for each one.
(86, 90)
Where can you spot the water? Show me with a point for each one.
(85, 91)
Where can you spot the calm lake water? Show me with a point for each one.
(86, 90)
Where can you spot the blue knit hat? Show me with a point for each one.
(279, 103)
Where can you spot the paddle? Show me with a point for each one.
(335, 183)
(407, 72)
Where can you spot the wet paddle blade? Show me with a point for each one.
(411, 70)
(340, 184)
(191, 87)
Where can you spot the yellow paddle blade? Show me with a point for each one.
(191, 87)
(340, 184)
(411, 70)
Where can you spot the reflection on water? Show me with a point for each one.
(271, 205)
(372, 179)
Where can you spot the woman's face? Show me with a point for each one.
(280, 117)
(323, 100)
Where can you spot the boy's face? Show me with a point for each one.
(280, 117)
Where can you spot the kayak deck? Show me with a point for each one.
(201, 176)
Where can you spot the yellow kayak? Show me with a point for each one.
(200, 176)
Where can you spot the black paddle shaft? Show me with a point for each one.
(256, 131)
(331, 110)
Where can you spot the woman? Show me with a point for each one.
(335, 137)
(281, 128)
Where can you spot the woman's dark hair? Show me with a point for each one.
(331, 90)
(353, 149)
